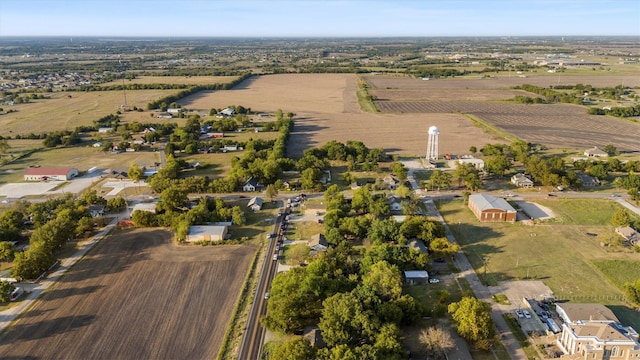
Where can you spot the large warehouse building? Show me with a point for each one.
(491, 208)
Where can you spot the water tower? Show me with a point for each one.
(432, 144)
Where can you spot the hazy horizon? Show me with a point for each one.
(318, 18)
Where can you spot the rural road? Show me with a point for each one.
(34, 290)
(482, 292)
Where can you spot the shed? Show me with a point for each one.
(206, 233)
(318, 243)
(491, 208)
(255, 204)
(416, 277)
(148, 207)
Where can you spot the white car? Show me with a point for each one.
(519, 313)
(434, 281)
(266, 295)
(526, 314)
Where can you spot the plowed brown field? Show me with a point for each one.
(135, 296)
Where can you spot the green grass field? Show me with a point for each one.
(561, 255)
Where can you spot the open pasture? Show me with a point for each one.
(326, 109)
(561, 255)
(187, 80)
(136, 295)
(67, 110)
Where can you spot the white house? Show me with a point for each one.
(47, 173)
(595, 152)
(521, 180)
(250, 185)
(477, 163)
(104, 130)
(206, 233)
(227, 112)
(148, 207)
(255, 204)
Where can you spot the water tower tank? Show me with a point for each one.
(433, 130)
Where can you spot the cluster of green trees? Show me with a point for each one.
(617, 111)
(552, 96)
(55, 222)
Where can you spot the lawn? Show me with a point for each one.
(583, 211)
(560, 255)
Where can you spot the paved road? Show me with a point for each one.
(482, 292)
(34, 290)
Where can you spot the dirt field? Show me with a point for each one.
(326, 109)
(135, 296)
(559, 125)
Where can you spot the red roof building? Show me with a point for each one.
(47, 173)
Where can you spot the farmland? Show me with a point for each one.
(187, 80)
(557, 125)
(135, 296)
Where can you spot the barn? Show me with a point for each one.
(50, 173)
(491, 208)
(206, 233)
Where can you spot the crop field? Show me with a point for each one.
(66, 110)
(187, 80)
(557, 125)
(326, 109)
(135, 296)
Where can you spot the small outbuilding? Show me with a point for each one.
(595, 152)
(416, 277)
(206, 233)
(491, 208)
(318, 243)
(255, 204)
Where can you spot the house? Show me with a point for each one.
(417, 244)
(164, 115)
(318, 243)
(629, 234)
(104, 130)
(206, 233)
(391, 182)
(174, 110)
(251, 185)
(148, 207)
(416, 277)
(227, 112)
(592, 331)
(477, 163)
(45, 173)
(96, 210)
(521, 180)
(255, 204)
(395, 203)
(491, 208)
(595, 152)
(588, 181)
(230, 148)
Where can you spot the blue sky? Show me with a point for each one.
(318, 18)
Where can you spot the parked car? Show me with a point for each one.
(519, 313)
(526, 314)
(266, 295)
(275, 257)
(434, 280)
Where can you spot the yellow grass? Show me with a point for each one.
(67, 110)
(188, 80)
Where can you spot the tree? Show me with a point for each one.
(437, 340)
(135, 172)
(611, 150)
(632, 292)
(31, 263)
(385, 279)
(6, 288)
(620, 218)
(237, 215)
(173, 198)
(473, 149)
(116, 203)
(473, 320)
(345, 320)
(400, 171)
(296, 348)
(497, 165)
(271, 191)
(7, 250)
(443, 248)
(440, 180)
